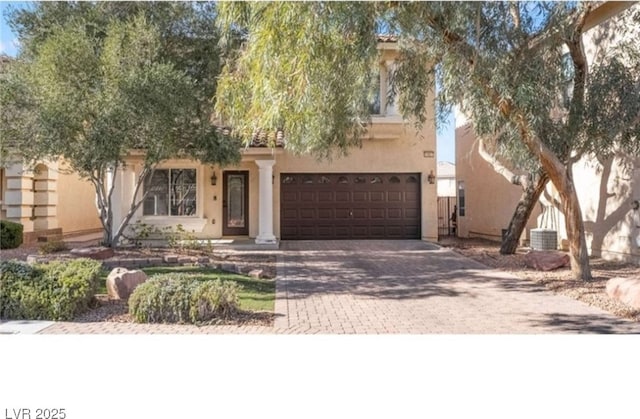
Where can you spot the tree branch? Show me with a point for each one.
(498, 167)
(514, 9)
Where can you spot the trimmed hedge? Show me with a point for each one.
(182, 298)
(10, 234)
(55, 291)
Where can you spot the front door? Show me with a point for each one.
(235, 205)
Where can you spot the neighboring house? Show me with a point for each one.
(45, 198)
(382, 190)
(446, 179)
(48, 201)
(608, 192)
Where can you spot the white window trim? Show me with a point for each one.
(192, 222)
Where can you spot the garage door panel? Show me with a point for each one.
(394, 196)
(342, 213)
(307, 196)
(377, 196)
(325, 213)
(325, 196)
(411, 196)
(411, 213)
(289, 213)
(359, 196)
(377, 213)
(360, 213)
(307, 213)
(394, 213)
(343, 196)
(289, 196)
(349, 206)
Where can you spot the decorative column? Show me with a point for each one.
(265, 202)
(19, 196)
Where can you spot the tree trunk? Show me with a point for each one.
(578, 253)
(522, 213)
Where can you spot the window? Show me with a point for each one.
(171, 192)
(461, 208)
(374, 102)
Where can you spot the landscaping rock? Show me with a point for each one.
(256, 273)
(185, 260)
(97, 253)
(121, 282)
(546, 260)
(32, 259)
(171, 258)
(625, 290)
(203, 260)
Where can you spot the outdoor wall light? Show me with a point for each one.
(431, 178)
(214, 179)
(635, 205)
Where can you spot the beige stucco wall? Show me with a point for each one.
(45, 197)
(76, 209)
(605, 189)
(489, 198)
(390, 147)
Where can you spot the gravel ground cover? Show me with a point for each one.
(559, 281)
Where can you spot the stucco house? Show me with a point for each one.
(45, 197)
(608, 192)
(383, 190)
(48, 200)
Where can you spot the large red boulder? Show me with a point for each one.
(625, 290)
(546, 260)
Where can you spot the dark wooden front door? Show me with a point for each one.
(350, 206)
(235, 204)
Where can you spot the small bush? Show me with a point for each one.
(182, 298)
(55, 291)
(10, 234)
(52, 247)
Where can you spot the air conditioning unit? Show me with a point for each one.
(544, 239)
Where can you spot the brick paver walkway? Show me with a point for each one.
(407, 287)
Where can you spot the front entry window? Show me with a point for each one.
(235, 198)
(171, 192)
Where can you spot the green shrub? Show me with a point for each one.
(10, 234)
(182, 298)
(52, 247)
(55, 291)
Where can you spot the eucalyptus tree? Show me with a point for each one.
(91, 91)
(305, 68)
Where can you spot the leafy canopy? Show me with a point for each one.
(306, 68)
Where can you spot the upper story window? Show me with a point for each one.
(375, 103)
(380, 105)
(171, 192)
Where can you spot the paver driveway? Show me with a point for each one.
(396, 287)
(417, 287)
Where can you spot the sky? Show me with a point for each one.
(9, 45)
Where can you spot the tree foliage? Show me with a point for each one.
(504, 64)
(305, 68)
(91, 88)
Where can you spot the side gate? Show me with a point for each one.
(446, 217)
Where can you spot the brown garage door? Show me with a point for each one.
(349, 206)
